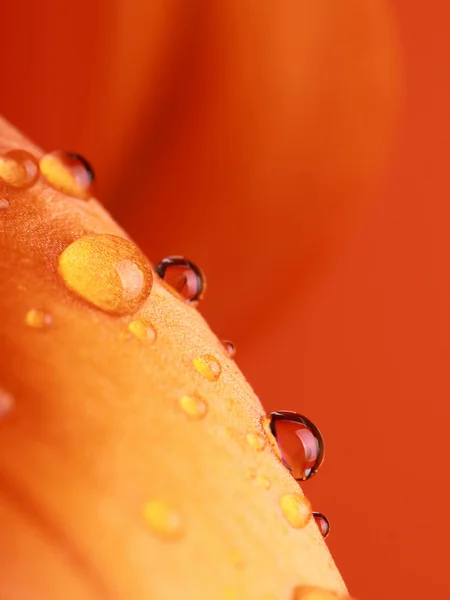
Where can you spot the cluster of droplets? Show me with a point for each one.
(113, 275)
(66, 172)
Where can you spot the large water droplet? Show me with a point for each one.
(300, 442)
(6, 402)
(183, 276)
(18, 169)
(229, 348)
(163, 520)
(322, 523)
(296, 510)
(68, 173)
(142, 330)
(108, 271)
(256, 441)
(315, 593)
(4, 203)
(194, 406)
(208, 366)
(38, 319)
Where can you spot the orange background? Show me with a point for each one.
(364, 350)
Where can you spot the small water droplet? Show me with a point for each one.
(19, 169)
(163, 520)
(183, 276)
(38, 319)
(229, 348)
(142, 330)
(236, 559)
(263, 481)
(300, 443)
(250, 473)
(194, 406)
(4, 203)
(256, 441)
(208, 366)
(296, 510)
(108, 271)
(315, 593)
(68, 173)
(6, 402)
(322, 523)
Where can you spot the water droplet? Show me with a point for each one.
(322, 523)
(142, 330)
(296, 510)
(315, 593)
(68, 173)
(4, 203)
(183, 276)
(299, 441)
(229, 348)
(256, 441)
(236, 559)
(39, 319)
(263, 481)
(208, 366)
(250, 473)
(6, 402)
(163, 520)
(108, 271)
(194, 406)
(18, 169)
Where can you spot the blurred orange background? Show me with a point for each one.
(249, 136)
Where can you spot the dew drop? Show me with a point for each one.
(183, 276)
(194, 406)
(236, 560)
(229, 348)
(68, 173)
(142, 330)
(163, 520)
(296, 510)
(19, 169)
(256, 441)
(263, 481)
(108, 271)
(6, 402)
(322, 523)
(4, 203)
(208, 366)
(38, 319)
(315, 593)
(300, 443)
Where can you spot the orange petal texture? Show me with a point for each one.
(112, 485)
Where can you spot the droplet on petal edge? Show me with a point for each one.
(163, 520)
(256, 441)
(142, 330)
(300, 443)
(4, 203)
(108, 271)
(315, 593)
(68, 173)
(18, 169)
(296, 510)
(229, 348)
(322, 523)
(208, 366)
(38, 319)
(194, 406)
(6, 402)
(183, 276)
